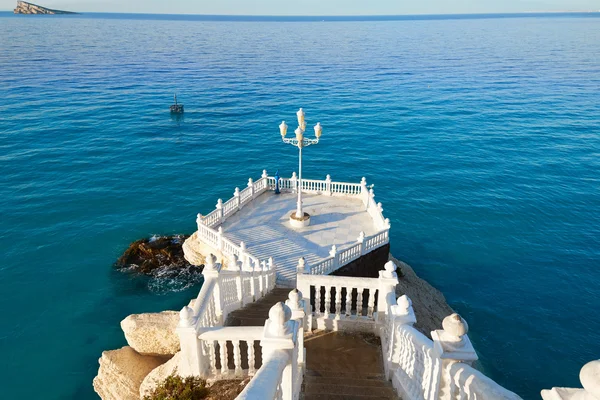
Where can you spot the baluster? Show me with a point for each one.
(327, 301)
(251, 367)
(371, 303)
(317, 300)
(348, 301)
(237, 357)
(212, 357)
(223, 356)
(338, 302)
(359, 302)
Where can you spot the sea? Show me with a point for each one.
(481, 134)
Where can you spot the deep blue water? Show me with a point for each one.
(481, 135)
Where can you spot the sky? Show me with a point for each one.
(314, 7)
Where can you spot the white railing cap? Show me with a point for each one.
(590, 378)
(452, 342)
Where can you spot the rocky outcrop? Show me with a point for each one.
(158, 252)
(429, 303)
(122, 371)
(158, 375)
(152, 333)
(28, 8)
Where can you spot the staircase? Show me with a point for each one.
(339, 366)
(255, 314)
(344, 366)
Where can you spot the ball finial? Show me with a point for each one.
(279, 315)
(455, 326)
(186, 315)
(590, 378)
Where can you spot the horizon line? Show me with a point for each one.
(339, 15)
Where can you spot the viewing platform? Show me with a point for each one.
(346, 223)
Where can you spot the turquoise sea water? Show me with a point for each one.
(481, 135)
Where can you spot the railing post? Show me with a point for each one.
(304, 287)
(363, 191)
(237, 268)
(293, 181)
(190, 363)
(220, 238)
(220, 210)
(251, 268)
(451, 345)
(236, 195)
(281, 334)
(371, 199)
(361, 241)
(272, 275)
(199, 225)
(251, 186)
(388, 279)
(298, 306)
(243, 255)
(401, 313)
(336, 259)
(264, 174)
(589, 376)
(328, 185)
(212, 271)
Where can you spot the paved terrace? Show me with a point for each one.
(264, 226)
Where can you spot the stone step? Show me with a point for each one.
(346, 381)
(330, 373)
(329, 396)
(241, 321)
(347, 390)
(256, 313)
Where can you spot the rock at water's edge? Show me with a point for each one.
(152, 333)
(158, 375)
(147, 255)
(429, 303)
(122, 371)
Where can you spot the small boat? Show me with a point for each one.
(176, 108)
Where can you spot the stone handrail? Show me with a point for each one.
(221, 293)
(465, 382)
(266, 384)
(325, 187)
(338, 259)
(282, 371)
(425, 369)
(242, 354)
(589, 376)
(344, 299)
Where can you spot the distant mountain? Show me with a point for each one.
(24, 7)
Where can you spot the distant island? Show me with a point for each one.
(24, 7)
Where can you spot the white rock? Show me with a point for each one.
(152, 333)
(121, 373)
(158, 375)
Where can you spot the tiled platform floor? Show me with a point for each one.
(264, 226)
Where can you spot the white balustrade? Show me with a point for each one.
(345, 300)
(234, 349)
(223, 291)
(425, 369)
(280, 376)
(338, 259)
(589, 376)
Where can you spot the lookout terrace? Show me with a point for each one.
(255, 227)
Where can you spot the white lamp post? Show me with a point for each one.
(299, 218)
